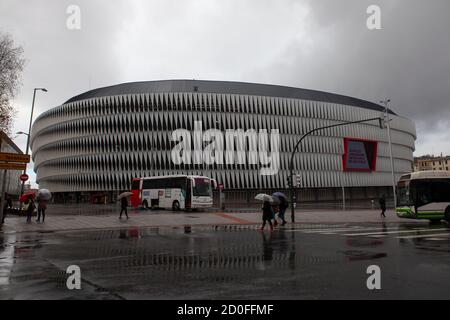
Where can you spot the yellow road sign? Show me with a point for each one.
(14, 157)
(12, 166)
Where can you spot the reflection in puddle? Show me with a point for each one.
(358, 255)
(7, 252)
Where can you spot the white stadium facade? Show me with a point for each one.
(95, 143)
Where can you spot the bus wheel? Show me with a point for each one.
(145, 204)
(175, 206)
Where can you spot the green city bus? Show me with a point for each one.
(424, 195)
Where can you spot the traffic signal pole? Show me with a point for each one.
(291, 162)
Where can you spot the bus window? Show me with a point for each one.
(403, 194)
(421, 192)
(441, 190)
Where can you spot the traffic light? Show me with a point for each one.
(295, 181)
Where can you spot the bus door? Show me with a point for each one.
(136, 189)
(188, 200)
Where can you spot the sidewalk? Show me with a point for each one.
(141, 218)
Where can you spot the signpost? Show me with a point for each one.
(23, 177)
(14, 157)
(11, 161)
(12, 166)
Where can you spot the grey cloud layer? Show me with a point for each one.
(322, 45)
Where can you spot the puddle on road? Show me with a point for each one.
(358, 255)
(170, 259)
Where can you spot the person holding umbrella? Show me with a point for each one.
(42, 198)
(28, 198)
(283, 205)
(124, 203)
(30, 208)
(267, 210)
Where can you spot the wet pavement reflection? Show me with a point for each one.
(311, 261)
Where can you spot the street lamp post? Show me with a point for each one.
(388, 125)
(291, 163)
(29, 131)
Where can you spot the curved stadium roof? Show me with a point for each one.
(204, 86)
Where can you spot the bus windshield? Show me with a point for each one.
(202, 187)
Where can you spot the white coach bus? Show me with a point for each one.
(177, 192)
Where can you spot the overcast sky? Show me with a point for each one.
(315, 44)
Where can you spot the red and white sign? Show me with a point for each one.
(220, 186)
(24, 177)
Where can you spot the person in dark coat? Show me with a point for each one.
(284, 204)
(382, 202)
(267, 215)
(123, 206)
(6, 206)
(30, 209)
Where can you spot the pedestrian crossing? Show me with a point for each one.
(392, 231)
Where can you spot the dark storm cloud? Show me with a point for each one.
(323, 45)
(407, 61)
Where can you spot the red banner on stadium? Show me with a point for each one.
(360, 155)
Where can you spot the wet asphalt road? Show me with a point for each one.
(313, 261)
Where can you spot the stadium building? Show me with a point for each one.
(91, 146)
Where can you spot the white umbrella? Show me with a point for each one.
(44, 194)
(263, 197)
(124, 194)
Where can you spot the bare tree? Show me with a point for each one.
(11, 66)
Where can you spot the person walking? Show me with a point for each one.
(267, 215)
(284, 204)
(9, 200)
(42, 206)
(30, 209)
(275, 210)
(6, 206)
(123, 206)
(382, 202)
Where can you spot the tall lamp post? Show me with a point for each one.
(388, 125)
(29, 131)
(291, 162)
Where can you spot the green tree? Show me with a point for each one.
(11, 66)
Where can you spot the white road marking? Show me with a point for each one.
(393, 232)
(426, 236)
(334, 230)
(321, 230)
